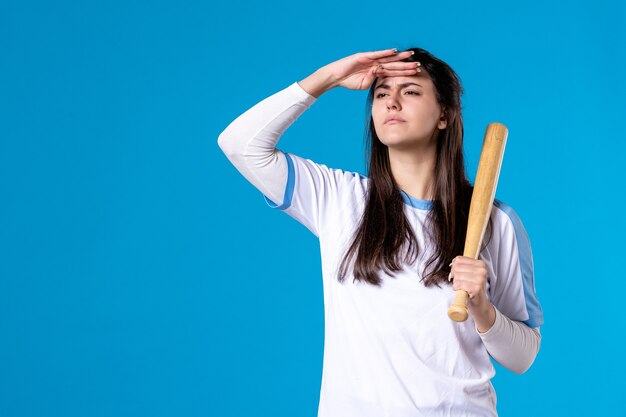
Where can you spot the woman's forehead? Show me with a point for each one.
(419, 78)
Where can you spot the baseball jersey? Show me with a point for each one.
(390, 350)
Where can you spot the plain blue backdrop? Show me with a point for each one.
(142, 275)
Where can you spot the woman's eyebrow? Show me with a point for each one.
(401, 85)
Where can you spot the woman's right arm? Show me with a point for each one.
(249, 142)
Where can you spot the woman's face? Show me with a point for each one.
(411, 99)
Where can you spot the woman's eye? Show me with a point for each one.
(412, 92)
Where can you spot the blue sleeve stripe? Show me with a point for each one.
(288, 189)
(535, 314)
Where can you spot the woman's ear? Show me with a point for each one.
(442, 121)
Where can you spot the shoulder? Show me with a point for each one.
(334, 176)
(507, 221)
(510, 238)
(505, 212)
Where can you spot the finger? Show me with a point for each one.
(465, 286)
(462, 260)
(458, 285)
(381, 54)
(469, 273)
(397, 57)
(461, 276)
(400, 65)
(396, 73)
(465, 267)
(457, 276)
(381, 70)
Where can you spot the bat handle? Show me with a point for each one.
(458, 309)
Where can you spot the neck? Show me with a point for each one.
(414, 170)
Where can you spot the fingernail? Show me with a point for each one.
(395, 50)
(412, 52)
(450, 276)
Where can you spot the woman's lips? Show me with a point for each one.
(394, 121)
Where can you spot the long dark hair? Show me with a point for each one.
(384, 230)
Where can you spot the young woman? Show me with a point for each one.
(390, 243)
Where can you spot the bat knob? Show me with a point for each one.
(457, 313)
(458, 309)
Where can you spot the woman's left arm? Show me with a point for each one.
(511, 343)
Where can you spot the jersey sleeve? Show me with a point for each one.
(313, 192)
(511, 270)
(249, 142)
(305, 190)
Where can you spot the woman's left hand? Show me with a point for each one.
(470, 275)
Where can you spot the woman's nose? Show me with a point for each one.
(392, 102)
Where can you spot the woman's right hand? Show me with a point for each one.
(358, 71)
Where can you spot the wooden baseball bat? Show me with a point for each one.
(481, 204)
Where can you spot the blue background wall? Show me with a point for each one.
(141, 274)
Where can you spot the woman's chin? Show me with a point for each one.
(394, 140)
(401, 143)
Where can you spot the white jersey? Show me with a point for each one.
(392, 350)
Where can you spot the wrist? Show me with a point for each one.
(318, 83)
(329, 80)
(479, 305)
(484, 316)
